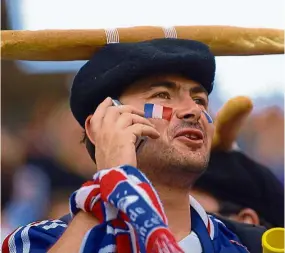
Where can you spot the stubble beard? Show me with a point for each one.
(167, 165)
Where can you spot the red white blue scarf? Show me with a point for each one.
(132, 218)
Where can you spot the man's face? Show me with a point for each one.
(185, 140)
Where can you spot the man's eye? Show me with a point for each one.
(163, 95)
(200, 101)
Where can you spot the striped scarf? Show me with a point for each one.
(129, 211)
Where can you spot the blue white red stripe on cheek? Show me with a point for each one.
(157, 111)
(162, 112)
(208, 117)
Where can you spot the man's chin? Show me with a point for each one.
(172, 165)
(193, 160)
(176, 156)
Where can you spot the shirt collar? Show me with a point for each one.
(203, 215)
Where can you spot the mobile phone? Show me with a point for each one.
(141, 140)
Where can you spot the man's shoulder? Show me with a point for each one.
(249, 235)
(37, 235)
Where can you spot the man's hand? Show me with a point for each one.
(114, 131)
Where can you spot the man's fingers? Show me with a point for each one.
(130, 109)
(128, 119)
(144, 130)
(100, 113)
(114, 113)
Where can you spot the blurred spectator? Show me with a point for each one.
(65, 141)
(25, 189)
(41, 164)
(241, 189)
(50, 150)
(12, 156)
(262, 137)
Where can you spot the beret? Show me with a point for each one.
(234, 177)
(117, 65)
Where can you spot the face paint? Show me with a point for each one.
(157, 111)
(208, 117)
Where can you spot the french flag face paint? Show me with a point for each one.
(157, 111)
(208, 117)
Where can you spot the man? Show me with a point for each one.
(173, 73)
(241, 189)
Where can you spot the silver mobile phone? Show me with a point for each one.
(141, 140)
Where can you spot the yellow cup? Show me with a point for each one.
(273, 240)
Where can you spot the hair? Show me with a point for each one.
(228, 208)
(89, 146)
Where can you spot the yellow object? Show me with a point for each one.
(273, 240)
(229, 121)
(69, 45)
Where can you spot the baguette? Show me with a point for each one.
(229, 121)
(69, 45)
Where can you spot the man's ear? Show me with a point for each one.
(88, 129)
(249, 216)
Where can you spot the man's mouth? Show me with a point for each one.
(191, 137)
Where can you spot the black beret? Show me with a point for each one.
(234, 177)
(117, 65)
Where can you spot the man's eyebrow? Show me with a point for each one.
(198, 89)
(166, 84)
(172, 85)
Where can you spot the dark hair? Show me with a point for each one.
(228, 208)
(89, 146)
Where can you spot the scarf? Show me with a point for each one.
(132, 219)
(129, 211)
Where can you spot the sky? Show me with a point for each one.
(251, 75)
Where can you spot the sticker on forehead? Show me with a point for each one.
(208, 117)
(157, 111)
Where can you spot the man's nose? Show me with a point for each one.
(188, 110)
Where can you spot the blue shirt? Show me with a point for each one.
(208, 235)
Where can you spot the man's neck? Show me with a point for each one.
(177, 209)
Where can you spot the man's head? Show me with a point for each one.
(239, 188)
(185, 140)
(173, 73)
